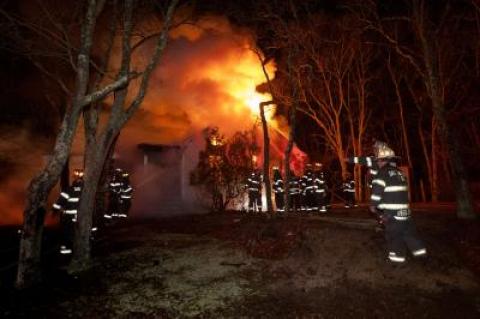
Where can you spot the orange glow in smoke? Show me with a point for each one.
(240, 75)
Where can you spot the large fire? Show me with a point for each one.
(208, 77)
(240, 75)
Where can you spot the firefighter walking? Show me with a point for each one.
(389, 199)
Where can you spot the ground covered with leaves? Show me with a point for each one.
(249, 266)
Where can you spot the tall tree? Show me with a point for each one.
(124, 107)
(41, 185)
(432, 30)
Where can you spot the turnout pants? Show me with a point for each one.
(280, 202)
(321, 201)
(294, 202)
(400, 235)
(125, 205)
(349, 198)
(254, 201)
(67, 225)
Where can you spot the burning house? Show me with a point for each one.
(161, 179)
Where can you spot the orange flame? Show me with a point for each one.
(240, 75)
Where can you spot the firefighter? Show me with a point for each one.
(348, 188)
(114, 195)
(302, 183)
(309, 189)
(389, 200)
(254, 188)
(320, 189)
(125, 196)
(279, 190)
(294, 193)
(67, 205)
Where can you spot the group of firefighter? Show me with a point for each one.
(119, 201)
(389, 200)
(308, 193)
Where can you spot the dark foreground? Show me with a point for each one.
(231, 265)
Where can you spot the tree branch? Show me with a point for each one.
(161, 44)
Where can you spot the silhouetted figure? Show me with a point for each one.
(254, 188)
(67, 204)
(279, 190)
(348, 188)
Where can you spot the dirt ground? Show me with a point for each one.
(247, 266)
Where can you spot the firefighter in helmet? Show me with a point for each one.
(125, 196)
(279, 190)
(308, 189)
(67, 204)
(389, 200)
(348, 188)
(114, 195)
(320, 189)
(254, 188)
(294, 193)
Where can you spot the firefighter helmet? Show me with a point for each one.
(383, 151)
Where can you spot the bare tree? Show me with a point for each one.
(284, 40)
(123, 108)
(41, 185)
(338, 69)
(358, 112)
(395, 80)
(424, 55)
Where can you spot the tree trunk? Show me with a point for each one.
(432, 82)
(266, 156)
(434, 163)
(343, 163)
(65, 176)
(94, 162)
(406, 144)
(288, 152)
(81, 244)
(422, 191)
(102, 192)
(28, 271)
(426, 155)
(474, 133)
(464, 200)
